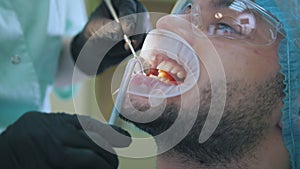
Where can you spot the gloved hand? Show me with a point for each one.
(52, 141)
(109, 35)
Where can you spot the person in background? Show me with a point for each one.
(35, 54)
(37, 51)
(35, 38)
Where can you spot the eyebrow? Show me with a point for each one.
(221, 3)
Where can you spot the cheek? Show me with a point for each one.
(268, 60)
(242, 63)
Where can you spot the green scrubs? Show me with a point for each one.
(31, 34)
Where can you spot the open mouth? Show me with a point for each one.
(170, 64)
(166, 70)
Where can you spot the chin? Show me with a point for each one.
(154, 119)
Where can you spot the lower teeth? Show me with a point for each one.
(161, 79)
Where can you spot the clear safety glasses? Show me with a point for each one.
(232, 19)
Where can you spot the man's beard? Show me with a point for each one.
(245, 121)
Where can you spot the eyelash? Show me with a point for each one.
(217, 26)
(232, 30)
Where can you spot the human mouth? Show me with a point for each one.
(172, 66)
(166, 70)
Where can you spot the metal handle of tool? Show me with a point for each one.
(128, 71)
(115, 16)
(122, 91)
(112, 10)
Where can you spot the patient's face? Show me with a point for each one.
(253, 95)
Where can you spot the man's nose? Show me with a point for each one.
(173, 21)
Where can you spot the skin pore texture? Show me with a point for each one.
(248, 135)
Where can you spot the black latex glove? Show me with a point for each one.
(57, 141)
(108, 35)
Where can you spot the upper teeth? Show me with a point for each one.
(172, 67)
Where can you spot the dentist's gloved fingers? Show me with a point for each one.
(86, 148)
(123, 137)
(111, 31)
(104, 25)
(39, 140)
(116, 136)
(75, 158)
(128, 10)
(79, 130)
(95, 142)
(107, 34)
(134, 20)
(141, 27)
(125, 7)
(88, 151)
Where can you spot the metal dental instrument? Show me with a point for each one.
(115, 16)
(128, 71)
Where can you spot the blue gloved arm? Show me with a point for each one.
(51, 141)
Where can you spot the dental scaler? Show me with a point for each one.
(129, 69)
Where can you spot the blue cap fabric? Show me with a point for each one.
(288, 12)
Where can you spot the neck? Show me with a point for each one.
(270, 154)
(174, 162)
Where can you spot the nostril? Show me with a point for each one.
(182, 8)
(187, 9)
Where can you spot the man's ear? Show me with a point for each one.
(279, 124)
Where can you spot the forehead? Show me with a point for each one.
(212, 2)
(221, 2)
(215, 3)
(207, 5)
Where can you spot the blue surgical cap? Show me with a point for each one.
(288, 12)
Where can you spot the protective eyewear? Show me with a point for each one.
(232, 19)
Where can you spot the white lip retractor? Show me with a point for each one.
(165, 46)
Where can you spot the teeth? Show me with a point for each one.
(175, 70)
(161, 62)
(181, 74)
(178, 71)
(164, 80)
(155, 77)
(160, 78)
(171, 67)
(166, 66)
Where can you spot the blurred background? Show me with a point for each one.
(99, 87)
